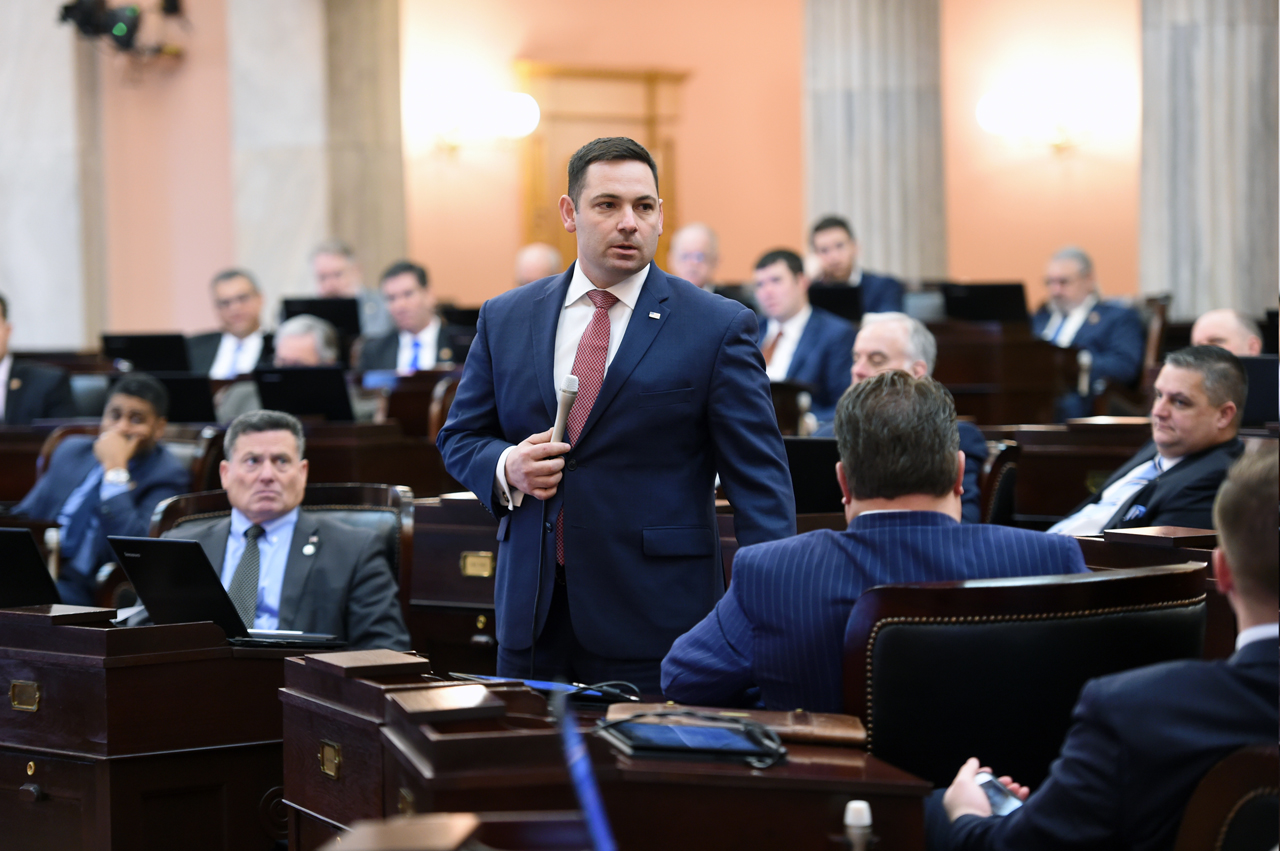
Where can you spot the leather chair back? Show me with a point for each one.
(387, 509)
(89, 392)
(999, 478)
(1236, 807)
(939, 672)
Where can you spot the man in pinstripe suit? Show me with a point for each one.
(776, 637)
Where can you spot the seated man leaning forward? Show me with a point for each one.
(108, 485)
(777, 635)
(1141, 740)
(314, 573)
(1172, 481)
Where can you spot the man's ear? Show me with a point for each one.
(567, 213)
(304, 467)
(1225, 415)
(958, 487)
(844, 483)
(1222, 571)
(223, 467)
(919, 369)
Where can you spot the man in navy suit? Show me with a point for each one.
(1141, 740)
(800, 342)
(777, 637)
(29, 390)
(239, 346)
(1172, 481)
(609, 545)
(109, 485)
(421, 339)
(1075, 315)
(837, 249)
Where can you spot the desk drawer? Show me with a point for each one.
(352, 788)
(56, 807)
(461, 640)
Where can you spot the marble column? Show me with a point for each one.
(279, 139)
(366, 161)
(1209, 162)
(874, 124)
(40, 205)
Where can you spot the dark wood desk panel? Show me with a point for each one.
(1061, 466)
(130, 738)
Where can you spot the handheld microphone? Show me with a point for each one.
(568, 393)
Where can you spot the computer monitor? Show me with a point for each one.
(986, 302)
(306, 391)
(24, 578)
(342, 313)
(842, 300)
(190, 397)
(147, 352)
(1262, 404)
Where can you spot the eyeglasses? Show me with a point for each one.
(1062, 281)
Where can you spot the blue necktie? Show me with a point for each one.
(414, 360)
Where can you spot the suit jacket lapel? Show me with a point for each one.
(1144, 455)
(214, 542)
(298, 567)
(640, 334)
(805, 346)
(544, 323)
(14, 399)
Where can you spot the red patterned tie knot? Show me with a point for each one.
(602, 298)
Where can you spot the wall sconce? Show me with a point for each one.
(1061, 107)
(469, 117)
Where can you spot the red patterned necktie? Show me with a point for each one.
(588, 365)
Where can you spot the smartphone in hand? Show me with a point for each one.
(1002, 800)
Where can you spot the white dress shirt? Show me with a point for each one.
(1069, 323)
(1261, 632)
(1091, 519)
(429, 342)
(786, 348)
(236, 356)
(575, 315)
(6, 366)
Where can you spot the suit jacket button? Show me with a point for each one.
(572, 465)
(549, 525)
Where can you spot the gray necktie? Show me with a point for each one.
(244, 585)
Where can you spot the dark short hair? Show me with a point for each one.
(1223, 374)
(1245, 516)
(786, 255)
(259, 421)
(229, 274)
(405, 267)
(829, 222)
(139, 385)
(897, 436)
(606, 149)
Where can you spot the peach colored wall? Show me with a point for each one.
(740, 135)
(1010, 204)
(167, 161)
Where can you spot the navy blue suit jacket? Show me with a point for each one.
(685, 398)
(823, 359)
(1139, 743)
(1115, 336)
(1181, 496)
(36, 391)
(780, 628)
(880, 293)
(156, 476)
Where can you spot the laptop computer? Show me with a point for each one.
(844, 301)
(24, 578)
(148, 352)
(177, 584)
(190, 397)
(1262, 404)
(986, 302)
(813, 474)
(306, 391)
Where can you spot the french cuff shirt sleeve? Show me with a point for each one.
(508, 497)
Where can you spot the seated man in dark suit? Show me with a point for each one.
(777, 635)
(109, 485)
(421, 339)
(239, 345)
(29, 390)
(1172, 480)
(837, 249)
(1075, 315)
(801, 343)
(1141, 740)
(284, 568)
(897, 341)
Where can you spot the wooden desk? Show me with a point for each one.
(143, 738)
(547, 831)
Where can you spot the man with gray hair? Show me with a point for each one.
(285, 568)
(1200, 395)
(338, 275)
(1228, 329)
(536, 261)
(1075, 315)
(893, 340)
(694, 254)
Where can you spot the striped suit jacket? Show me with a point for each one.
(776, 638)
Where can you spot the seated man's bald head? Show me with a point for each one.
(1227, 329)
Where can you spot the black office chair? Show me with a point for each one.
(999, 480)
(939, 672)
(1236, 806)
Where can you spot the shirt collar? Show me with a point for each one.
(246, 338)
(627, 291)
(240, 524)
(793, 326)
(423, 335)
(1081, 310)
(1258, 633)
